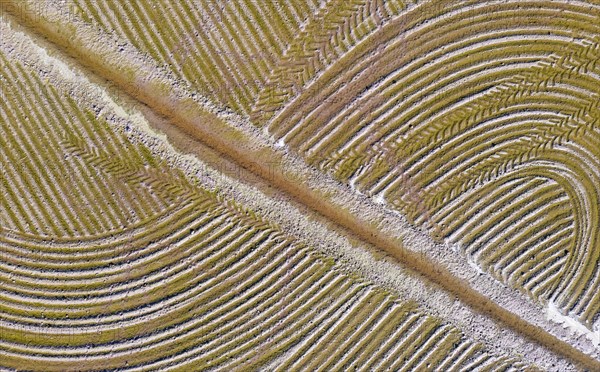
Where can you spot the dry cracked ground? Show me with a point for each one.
(282, 185)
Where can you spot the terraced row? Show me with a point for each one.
(478, 121)
(190, 281)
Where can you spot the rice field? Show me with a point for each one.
(476, 123)
(114, 260)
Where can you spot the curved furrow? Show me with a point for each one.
(154, 289)
(205, 277)
(540, 234)
(486, 90)
(540, 202)
(398, 97)
(399, 92)
(555, 131)
(487, 202)
(90, 277)
(145, 269)
(459, 212)
(386, 65)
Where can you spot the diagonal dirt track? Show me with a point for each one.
(228, 142)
